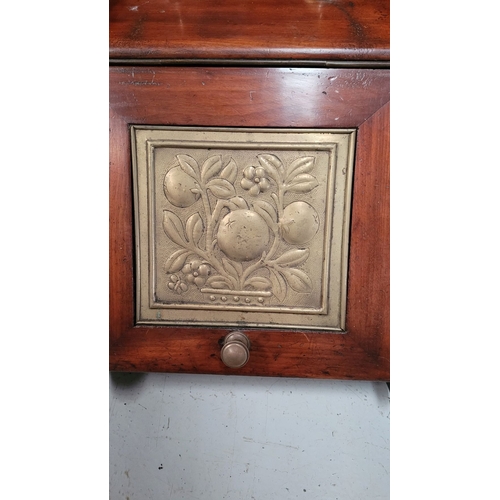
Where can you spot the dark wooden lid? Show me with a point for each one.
(265, 30)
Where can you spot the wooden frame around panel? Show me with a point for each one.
(258, 97)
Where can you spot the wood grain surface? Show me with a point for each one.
(258, 97)
(294, 30)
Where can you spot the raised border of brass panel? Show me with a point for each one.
(182, 314)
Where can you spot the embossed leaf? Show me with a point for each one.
(221, 188)
(278, 285)
(259, 283)
(235, 269)
(267, 212)
(237, 202)
(218, 282)
(211, 167)
(293, 257)
(176, 261)
(189, 165)
(302, 183)
(300, 166)
(297, 279)
(273, 166)
(230, 171)
(194, 228)
(173, 228)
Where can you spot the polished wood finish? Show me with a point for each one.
(293, 30)
(258, 97)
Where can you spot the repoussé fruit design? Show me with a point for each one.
(241, 244)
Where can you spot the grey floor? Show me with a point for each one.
(192, 437)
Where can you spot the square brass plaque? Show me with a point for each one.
(242, 227)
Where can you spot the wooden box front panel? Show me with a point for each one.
(261, 99)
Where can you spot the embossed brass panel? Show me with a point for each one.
(242, 227)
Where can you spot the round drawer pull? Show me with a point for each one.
(235, 350)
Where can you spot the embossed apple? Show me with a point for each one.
(177, 187)
(299, 224)
(243, 235)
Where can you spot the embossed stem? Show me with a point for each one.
(208, 215)
(278, 199)
(211, 219)
(275, 244)
(249, 270)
